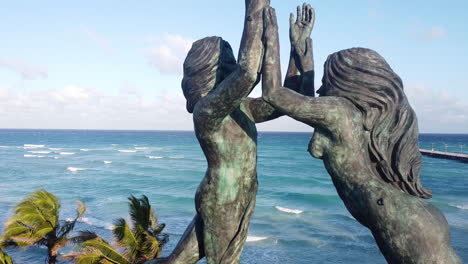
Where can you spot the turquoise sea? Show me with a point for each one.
(298, 218)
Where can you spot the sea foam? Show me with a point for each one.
(32, 156)
(55, 149)
(67, 153)
(255, 238)
(96, 222)
(39, 152)
(462, 206)
(287, 210)
(73, 169)
(127, 151)
(154, 157)
(32, 146)
(107, 162)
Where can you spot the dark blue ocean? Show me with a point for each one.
(299, 218)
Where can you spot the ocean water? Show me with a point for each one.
(298, 217)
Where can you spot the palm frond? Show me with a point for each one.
(14, 229)
(68, 226)
(81, 209)
(34, 218)
(43, 203)
(158, 229)
(151, 246)
(153, 219)
(140, 210)
(126, 238)
(4, 258)
(162, 239)
(108, 253)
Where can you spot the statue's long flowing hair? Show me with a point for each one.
(364, 77)
(204, 68)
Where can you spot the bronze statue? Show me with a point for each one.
(216, 89)
(366, 133)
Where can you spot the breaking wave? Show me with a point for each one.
(96, 222)
(287, 210)
(255, 238)
(32, 156)
(55, 149)
(154, 157)
(39, 152)
(73, 169)
(462, 206)
(32, 146)
(127, 151)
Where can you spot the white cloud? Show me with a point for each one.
(168, 53)
(70, 93)
(74, 107)
(27, 71)
(438, 111)
(103, 44)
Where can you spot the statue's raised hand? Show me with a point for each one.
(300, 30)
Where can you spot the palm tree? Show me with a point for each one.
(36, 222)
(4, 258)
(140, 241)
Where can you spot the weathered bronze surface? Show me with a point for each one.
(366, 133)
(216, 89)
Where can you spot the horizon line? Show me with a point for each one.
(181, 130)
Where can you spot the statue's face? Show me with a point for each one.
(323, 90)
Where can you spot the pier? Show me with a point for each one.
(444, 155)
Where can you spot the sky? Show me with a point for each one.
(118, 64)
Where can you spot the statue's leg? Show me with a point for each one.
(234, 251)
(190, 247)
(225, 227)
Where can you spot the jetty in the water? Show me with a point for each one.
(444, 155)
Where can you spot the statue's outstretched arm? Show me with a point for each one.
(300, 74)
(228, 95)
(310, 110)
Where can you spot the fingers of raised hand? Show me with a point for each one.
(306, 15)
(274, 21)
(291, 20)
(269, 20)
(311, 15)
(305, 12)
(270, 17)
(299, 15)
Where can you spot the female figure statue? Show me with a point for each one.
(366, 133)
(216, 89)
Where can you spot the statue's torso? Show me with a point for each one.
(231, 152)
(399, 222)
